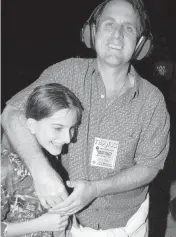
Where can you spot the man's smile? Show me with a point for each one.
(114, 46)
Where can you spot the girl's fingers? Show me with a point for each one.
(63, 219)
(69, 209)
(51, 203)
(63, 225)
(61, 228)
(73, 211)
(44, 203)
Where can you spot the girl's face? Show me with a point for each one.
(55, 131)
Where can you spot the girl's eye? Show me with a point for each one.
(57, 129)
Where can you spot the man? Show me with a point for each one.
(123, 140)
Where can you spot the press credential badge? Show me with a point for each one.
(104, 153)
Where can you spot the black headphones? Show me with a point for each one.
(144, 44)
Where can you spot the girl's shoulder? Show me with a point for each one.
(13, 169)
(17, 166)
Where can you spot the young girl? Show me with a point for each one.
(53, 115)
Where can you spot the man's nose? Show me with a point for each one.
(118, 31)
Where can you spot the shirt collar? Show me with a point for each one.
(136, 77)
(94, 65)
(132, 72)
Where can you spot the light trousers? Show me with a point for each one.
(137, 226)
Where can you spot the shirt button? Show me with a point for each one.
(102, 96)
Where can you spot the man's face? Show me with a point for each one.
(116, 36)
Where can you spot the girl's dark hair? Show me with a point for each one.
(47, 99)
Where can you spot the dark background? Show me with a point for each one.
(39, 33)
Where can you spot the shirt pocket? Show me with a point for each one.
(126, 152)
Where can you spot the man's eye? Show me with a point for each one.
(109, 25)
(129, 29)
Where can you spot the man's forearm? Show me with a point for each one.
(84, 192)
(22, 141)
(126, 180)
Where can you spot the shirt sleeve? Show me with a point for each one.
(57, 73)
(3, 229)
(4, 203)
(5, 171)
(153, 145)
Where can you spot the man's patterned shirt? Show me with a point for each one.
(138, 120)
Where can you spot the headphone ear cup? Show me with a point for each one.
(86, 34)
(93, 32)
(143, 47)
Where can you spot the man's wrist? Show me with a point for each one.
(98, 187)
(102, 187)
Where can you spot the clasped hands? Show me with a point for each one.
(53, 194)
(84, 192)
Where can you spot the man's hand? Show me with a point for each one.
(84, 192)
(50, 188)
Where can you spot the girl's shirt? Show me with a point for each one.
(19, 201)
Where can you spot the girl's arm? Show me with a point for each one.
(20, 228)
(25, 145)
(46, 222)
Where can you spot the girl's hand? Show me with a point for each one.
(49, 187)
(52, 222)
(84, 192)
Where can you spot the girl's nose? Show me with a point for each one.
(66, 136)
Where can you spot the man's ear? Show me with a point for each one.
(31, 124)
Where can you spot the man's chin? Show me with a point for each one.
(113, 60)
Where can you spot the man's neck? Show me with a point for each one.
(113, 77)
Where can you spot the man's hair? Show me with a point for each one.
(138, 7)
(47, 99)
